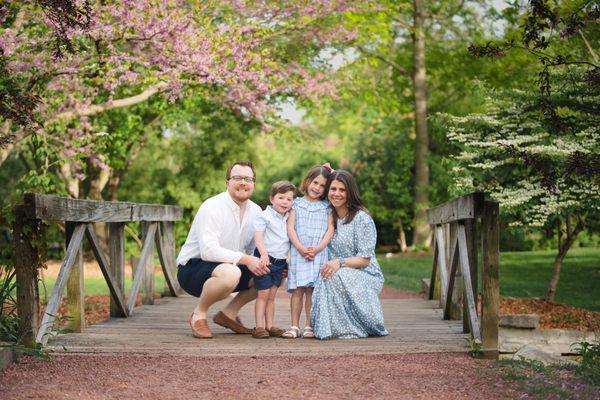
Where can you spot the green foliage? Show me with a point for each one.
(589, 367)
(522, 274)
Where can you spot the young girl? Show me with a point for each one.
(310, 228)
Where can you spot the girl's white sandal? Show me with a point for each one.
(307, 333)
(291, 333)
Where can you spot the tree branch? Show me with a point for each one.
(110, 105)
(386, 60)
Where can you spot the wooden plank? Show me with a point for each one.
(47, 207)
(434, 275)
(148, 280)
(163, 329)
(113, 287)
(455, 295)
(27, 252)
(451, 278)
(139, 273)
(75, 286)
(471, 232)
(439, 237)
(463, 207)
(165, 243)
(464, 265)
(61, 282)
(490, 296)
(116, 248)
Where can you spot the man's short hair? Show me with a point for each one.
(282, 187)
(243, 163)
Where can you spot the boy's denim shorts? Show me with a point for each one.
(274, 277)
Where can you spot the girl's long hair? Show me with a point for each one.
(311, 175)
(353, 200)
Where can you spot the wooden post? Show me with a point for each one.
(490, 299)
(165, 244)
(27, 248)
(148, 276)
(455, 309)
(75, 288)
(116, 248)
(471, 232)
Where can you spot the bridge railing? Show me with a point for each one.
(454, 275)
(157, 223)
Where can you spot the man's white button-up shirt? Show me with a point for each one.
(217, 234)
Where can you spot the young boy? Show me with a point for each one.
(272, 246)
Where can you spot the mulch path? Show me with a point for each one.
(553, 315)
(413, 376)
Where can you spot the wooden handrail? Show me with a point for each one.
(157, 224)
(454, 269)
(464, 207)
(55, 208)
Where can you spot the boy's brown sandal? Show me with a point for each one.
(221, 319)
(200, 328)
(275, 331)
(260, 333)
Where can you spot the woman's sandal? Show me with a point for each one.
(291, 333)
(307, 333)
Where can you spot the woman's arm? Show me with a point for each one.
(332, 266)
(291, 231)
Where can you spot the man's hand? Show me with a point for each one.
(264, 261)
(255, 266)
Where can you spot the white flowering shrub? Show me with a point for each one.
(538, 166)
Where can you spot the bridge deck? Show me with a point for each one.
(415, 326)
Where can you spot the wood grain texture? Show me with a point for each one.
(55, 208)
(414, 325)
(463, 207)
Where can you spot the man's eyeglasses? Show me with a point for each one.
(239, 178)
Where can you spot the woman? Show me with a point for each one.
(346, 297)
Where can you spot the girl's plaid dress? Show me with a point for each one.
(310, 223)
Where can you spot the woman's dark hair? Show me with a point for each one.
(353, 200)
(311, 175)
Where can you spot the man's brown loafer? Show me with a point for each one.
(200, 328)
(260, 333)
(221, 319)
(275, 331)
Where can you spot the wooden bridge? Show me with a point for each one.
(442, 323)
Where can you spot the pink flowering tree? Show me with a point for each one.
(67, 62)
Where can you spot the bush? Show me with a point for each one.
(515, 239)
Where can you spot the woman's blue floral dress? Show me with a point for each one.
(347, 305)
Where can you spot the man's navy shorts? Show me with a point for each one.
(274, 277)
(196, 272)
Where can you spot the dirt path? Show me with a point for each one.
(414, 376)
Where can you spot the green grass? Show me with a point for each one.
(97, 286)
(522, 274)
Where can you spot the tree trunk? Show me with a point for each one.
(421, 227)
(113, 185)
(98, 180)
(563, 248)
(71, 183)
(401, 237)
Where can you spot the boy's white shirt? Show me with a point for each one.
(274, 228)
